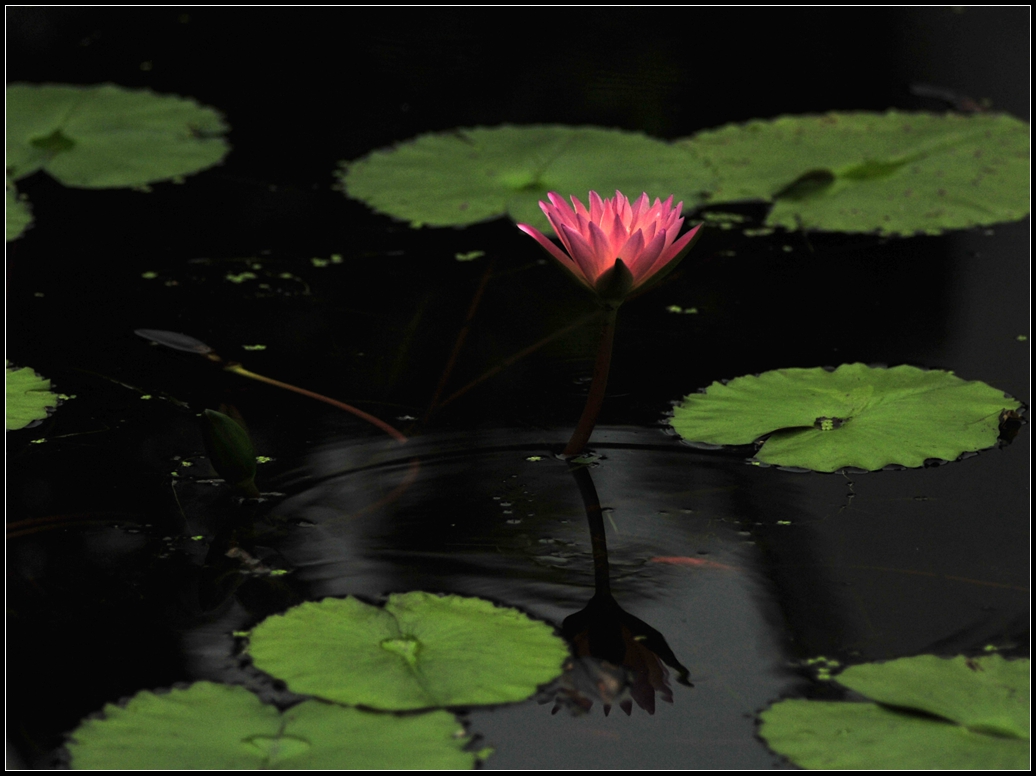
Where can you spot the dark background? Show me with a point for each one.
(306, 89)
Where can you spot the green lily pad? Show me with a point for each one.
(858, 416)
(419, 651)
(106, 136)
(28, 397)
(19, 215)
(469, 175)
(987, 694)
(932, 713)
(218, 727)
(893, 173)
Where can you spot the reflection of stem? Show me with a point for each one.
(512, 359)
(598, 385)
(594, 516)
(240, 370)
(459, 343)
(412, 470)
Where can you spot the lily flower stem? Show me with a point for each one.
(595, 518)
(516, 358)
(598, 385)
(459, 343)
(240, 370)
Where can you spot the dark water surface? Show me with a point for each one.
(108, 594)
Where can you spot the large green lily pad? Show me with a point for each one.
(28, 397)
(469, 175)
(218, 727)
(419, 651)
(931, 713)
(19, 216)
(893, 173)
(106, 136)
(859, 416)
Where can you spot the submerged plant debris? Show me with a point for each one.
(928, 713)
(859, 416)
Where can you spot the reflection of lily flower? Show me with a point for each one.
(615, 247)
(618, 657)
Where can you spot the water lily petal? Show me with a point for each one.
(616, 231)
(582, 254)
(639, 208)
(559, 211)
(550, 247)
(649, 257)
(623, 209)
(671, 258)
(640, 235)
(630, 252)
(557, 223)
(596, 207)
(603, 254)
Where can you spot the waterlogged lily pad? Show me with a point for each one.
(28, 397)
(469, 175)
(857, 415)
(894, 173)
(931, 713)
(218, 727)
(106, 136)
(419, 651)
(19, 216)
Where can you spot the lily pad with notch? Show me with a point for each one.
(854, 416)
(928, 713)
(109, 137)
(892, 173)
(418, 651)
(219, 727)
(465, 176)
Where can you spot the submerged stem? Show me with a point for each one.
(598, 385)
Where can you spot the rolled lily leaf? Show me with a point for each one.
(172, 339)
(230, 450)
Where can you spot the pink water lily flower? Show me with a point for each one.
(615, 247)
